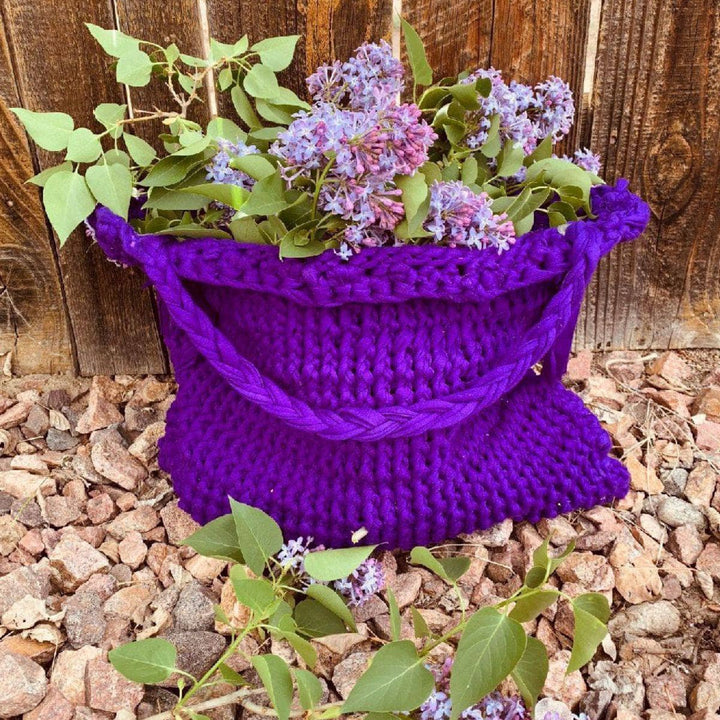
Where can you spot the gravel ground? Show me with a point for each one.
(90, 556)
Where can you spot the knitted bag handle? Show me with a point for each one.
(548, 340)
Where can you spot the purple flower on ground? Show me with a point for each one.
(219, 170)
(367, 580)
(292, 554)
(458, 216)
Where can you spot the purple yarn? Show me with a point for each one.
(392, 392)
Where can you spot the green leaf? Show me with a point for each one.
(256, 593)
(589, 633)
(170, 170)
(112, 187)
(541, 152)
(531, 671)
(246, 230)
(421, 70)
(310, 689)
(535, 577)
(301, 646)
(42, 177)
(328, 598)
(83, 146)
(119, 157)
(489, 649)
(466, 95)
(51, 130)
(273, 113)
(510, 159)
(491, 147)
(244, 109)
(414, 191)
(315, 620)
(141, 152)
(223, 128)
(277, 52)
(267, 197)
(110, 115)
(396, 681)
(419, 625)
(394, 615)
(328, 565)
(232, 676)
(217, 539)
(260, 82)
(168, 199)
(113, 42)
(528, 608)
(268, 133)
(449, 569)
(233, 196)
(191, 230)
(134, 69)
(145, 661)
(297, 243)
(67, 202)
(275, 675)
(595, 604)
(256, 166)
(469, 172)
(259, 536)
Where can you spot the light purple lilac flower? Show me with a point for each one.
(292, 554)
(458, 216)
(219, 170)
(587, 160)
(369, 80)
(555, 108)
(366, 581)
(495, 706)
(527, 115)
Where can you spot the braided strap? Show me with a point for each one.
(548, 340)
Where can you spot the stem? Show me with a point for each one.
(318, 185)
(228, 652)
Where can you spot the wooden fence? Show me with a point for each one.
(646, 75)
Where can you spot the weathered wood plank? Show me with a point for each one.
(656, 122)
(33, 322)
(330, 29)
(59, 68)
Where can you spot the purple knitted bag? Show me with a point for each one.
(394, 392)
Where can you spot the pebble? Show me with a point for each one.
(11, 532)
(24, 484)
(108, 690)
(100, 509)
(650, 619)
(132, 550)
(686, 543)
(347, 672)
(196, 652)
(114, 462)
(708, 436)
(142, 519)
(73, 561)
(99, 414)
(701, 484)
(676, 512)
(709, 561)
(22, 684)
(60, 511)
(178, 524)
(195, 608)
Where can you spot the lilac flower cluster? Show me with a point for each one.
(492, 707)
(219, 170)
(527, 115)
(363, 583)
(586, 159)
(372, 78)
(367, 580)
(354, 141)
(458, 216)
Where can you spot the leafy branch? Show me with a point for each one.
(298, 604)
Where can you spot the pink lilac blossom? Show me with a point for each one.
(555, 108)
(458, 216)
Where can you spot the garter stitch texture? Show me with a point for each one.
(393, 392)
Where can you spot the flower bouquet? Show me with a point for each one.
(368, 297)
